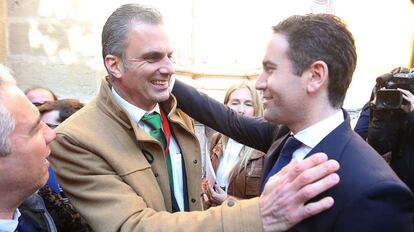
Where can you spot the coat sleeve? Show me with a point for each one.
(108, 203)
(253, 132)
(361, 126)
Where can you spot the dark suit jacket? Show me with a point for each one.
(369, 197)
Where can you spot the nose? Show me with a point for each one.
(48, 134)
(241, 110)
(261, 82)
(167, 67)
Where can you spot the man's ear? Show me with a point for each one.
(317, 75)
(114, 65)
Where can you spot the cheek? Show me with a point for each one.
(38, 146)
(272, 86)
(233, 107)
(250, 111)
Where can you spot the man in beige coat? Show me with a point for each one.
(120, 178)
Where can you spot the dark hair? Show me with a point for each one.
(116, 28)
(66, 107)
(44, 88)
(322, 37)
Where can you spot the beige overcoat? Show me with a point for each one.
(115, 175)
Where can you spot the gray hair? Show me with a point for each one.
(116, 28)
(7, 125)
(7, 122)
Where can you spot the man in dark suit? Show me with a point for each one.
(307, 69)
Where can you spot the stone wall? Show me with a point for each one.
(56, 43)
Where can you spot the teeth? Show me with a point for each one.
(158, 82)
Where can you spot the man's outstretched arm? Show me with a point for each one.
(253, 132)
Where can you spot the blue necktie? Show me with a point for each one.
(291, 145)
(22, 227)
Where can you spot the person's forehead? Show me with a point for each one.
(39, 95)
(279, 42)
(241, 93)
(18, 104)
(151, 37)
(277, 51)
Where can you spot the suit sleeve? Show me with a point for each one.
(253, 132)
(383, 207)
(109, 204)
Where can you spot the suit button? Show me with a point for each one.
(230, 203)
(193, 200)
(156, 174)
(195, 161)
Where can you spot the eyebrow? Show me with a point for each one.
(35, 126)
(152, 53)
(269, 63)
(155, 54)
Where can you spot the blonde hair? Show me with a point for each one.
(257, 103)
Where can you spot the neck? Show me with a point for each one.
(10, 201)
(8, 206)
(311, 117)
(147, 106)
(7, 214)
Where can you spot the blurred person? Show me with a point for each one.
(55, 112)
(24, 166)
(129, 160)
(307, 69)
(390, 131)
(238, 168)
(40, 95)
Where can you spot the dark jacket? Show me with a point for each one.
(244, 182)
(66, 218)
(369, 196)
(34, 216)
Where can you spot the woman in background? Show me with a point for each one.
(238, 169)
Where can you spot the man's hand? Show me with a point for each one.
(282, 203)
(409, 97)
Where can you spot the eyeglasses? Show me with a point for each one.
(37, 103)
(52, 126)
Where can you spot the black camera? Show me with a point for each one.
(387, 95)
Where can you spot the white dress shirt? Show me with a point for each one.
(9, 225)
(311, 136)
(176, 161)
